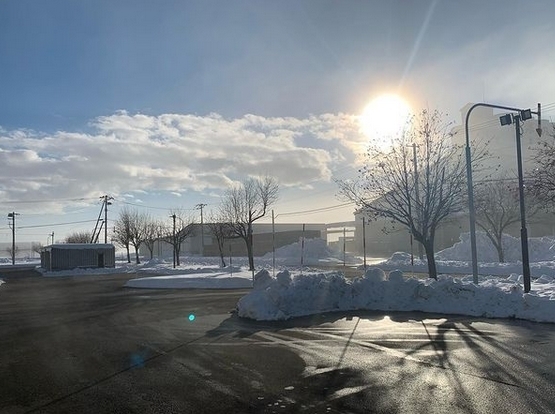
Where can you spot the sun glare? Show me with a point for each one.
(384, 117)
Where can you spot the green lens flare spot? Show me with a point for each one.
(192, 317)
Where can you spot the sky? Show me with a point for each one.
(165, 105)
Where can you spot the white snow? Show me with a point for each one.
(287, 295)
(541, 249)
(311, 253)
(296, 291)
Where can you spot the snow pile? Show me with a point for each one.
(285, 296)
(540, 249)
(313, 252)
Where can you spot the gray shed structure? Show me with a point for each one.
(77, 255)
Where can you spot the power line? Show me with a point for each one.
(151, 207)
(45, 200)
(56, 224)
(316, 210)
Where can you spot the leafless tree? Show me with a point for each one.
(36, 247)
(417, 181)
(139, 223)
(79, 237)
(543, 176)
(497, 207)
(154, 232)
(122, 230)
(245, 203)
(221, 231)
(11, 252)
(184, 228)
(131, 230)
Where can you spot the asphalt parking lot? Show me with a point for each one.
(89, 345)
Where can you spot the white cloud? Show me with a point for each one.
(132, 153)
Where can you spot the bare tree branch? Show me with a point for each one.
(245, 203)
(418, 182)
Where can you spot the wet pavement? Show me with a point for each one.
(87, 344)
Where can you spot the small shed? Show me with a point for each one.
(77, 255)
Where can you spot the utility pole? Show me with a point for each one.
(200, 206)
(106, 203)
(11, 216)
(173, 239)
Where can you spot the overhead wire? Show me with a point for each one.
(55, 224)
(316, 210)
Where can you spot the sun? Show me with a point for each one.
(384, 117)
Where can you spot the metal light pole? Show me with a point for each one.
(471, 208)
(523, 230)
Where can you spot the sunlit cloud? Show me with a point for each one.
(133, 153)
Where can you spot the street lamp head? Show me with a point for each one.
(526, 114)
(506, 119)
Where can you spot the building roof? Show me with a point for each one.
(81, 246)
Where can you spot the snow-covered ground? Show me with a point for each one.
(297, 291)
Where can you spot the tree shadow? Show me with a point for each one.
(454, 350)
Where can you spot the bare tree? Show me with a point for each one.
(79, 237)
(122, 230)
(138, 230)
(543, 175)
(417, 182)
(36, 247)
(497, 207)
(154, 232)
(221, 231)
(245, 203)
(11, 253)
(184, 228)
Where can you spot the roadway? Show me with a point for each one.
(87, 344)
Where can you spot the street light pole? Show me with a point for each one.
(471, 208)
(523, 230)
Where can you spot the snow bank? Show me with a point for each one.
(541, 249)
(314, 252)
(285, 296)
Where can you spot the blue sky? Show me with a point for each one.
(165, 104)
